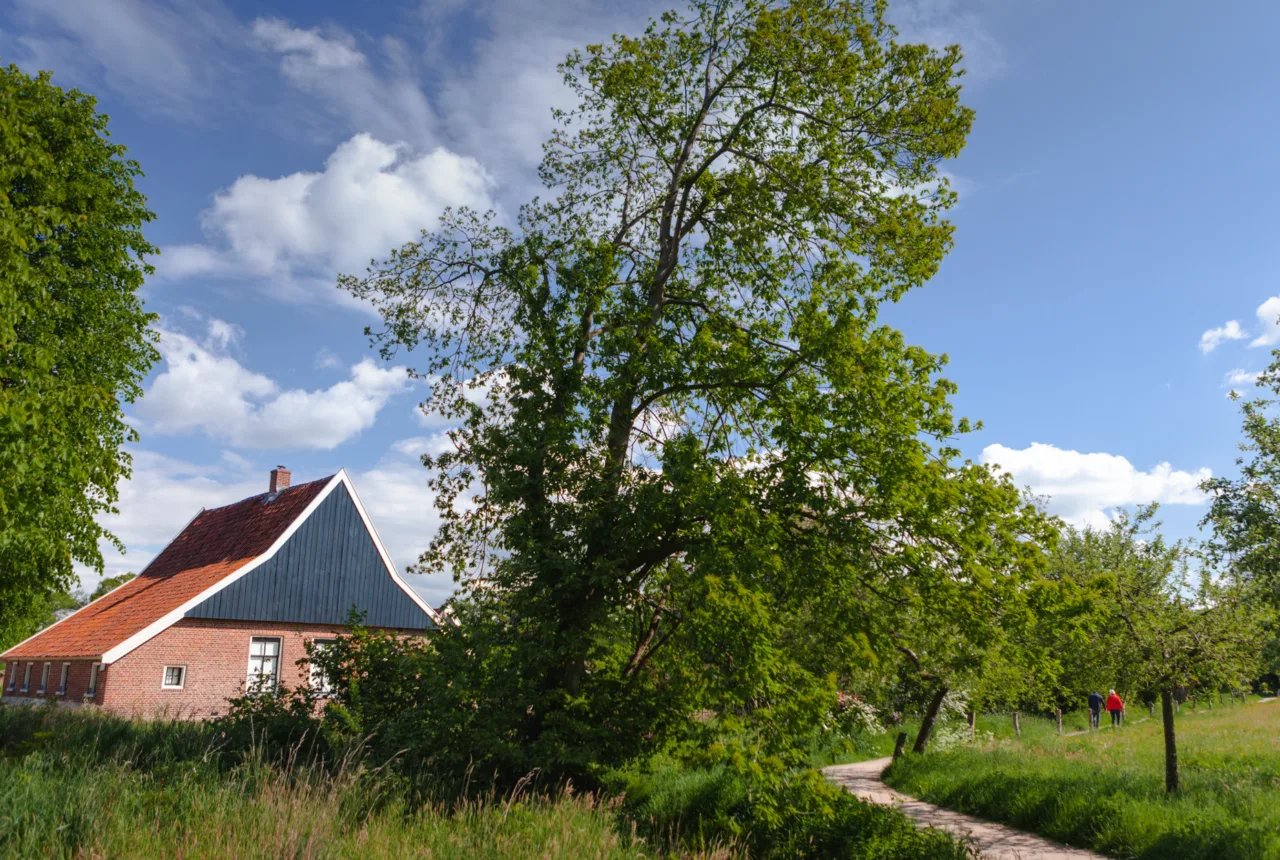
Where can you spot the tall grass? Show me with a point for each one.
(87, 785)
(1104, 790)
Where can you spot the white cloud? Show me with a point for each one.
(370, 197)
(326, 359)
(940, 23)
(1269, 323)
(1210, 340)
(163, 56)
(1085, 488)
(163, 494)
(202, 388)
(331, 67)
(1240, 376)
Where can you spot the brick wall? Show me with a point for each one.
(77, 680)
(216, 654)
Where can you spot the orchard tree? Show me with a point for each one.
(691, 465)
(1162, 620)
(74, 338)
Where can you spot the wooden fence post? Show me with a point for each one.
(1017, 725)
(1059, 715)
(973, 720)
(900, 745)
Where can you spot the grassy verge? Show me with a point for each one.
(1104, 790)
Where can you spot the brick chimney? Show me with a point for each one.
(279, 479)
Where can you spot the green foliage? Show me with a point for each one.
(1104, 790)
(694, 472)
(804, 816)
(74, 341)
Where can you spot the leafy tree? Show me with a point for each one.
(110, 583)
(74, 342)
(1245, 510)
(1160, 623)
(692, 465)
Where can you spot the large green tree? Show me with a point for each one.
(74, 338)
(692, 465)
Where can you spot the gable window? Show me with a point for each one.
(264, 663)
(319, 678)
(44, 679)
(93, 680)
(26, 678)
(62, 679)
(174, 678)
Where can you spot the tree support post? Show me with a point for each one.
(1058, 713)
(1017, 724)
(1170, 742)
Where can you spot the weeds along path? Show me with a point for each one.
(992, 841)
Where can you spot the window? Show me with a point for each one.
(62, 680)
(319, 679)
(26, 679)
(13, 677)
(93, 680)
(175, 678)
(44, 679)
(264, 663)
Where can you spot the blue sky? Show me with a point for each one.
(1112, 278)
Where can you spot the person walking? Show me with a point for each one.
(1095, 710)
(1115, 707)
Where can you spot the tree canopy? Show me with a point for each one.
(693, 470)
(74, 337)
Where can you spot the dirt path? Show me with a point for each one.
(993, 841)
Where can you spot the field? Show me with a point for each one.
(1104, 790)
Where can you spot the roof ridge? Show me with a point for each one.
(277, 494)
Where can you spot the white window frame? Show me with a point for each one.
(92, 690)
(253, 679)
(318, 680)
(26, 679)
(63, 678)
(44, 679)
(182, 681)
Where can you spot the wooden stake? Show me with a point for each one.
(973, 719)
(1059, 714)
(1017, 725)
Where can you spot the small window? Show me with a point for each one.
(93, 681)
(62, 680)
(175, 678)
(319, 678)
(264, 663)
(26, 678)
(44, 678)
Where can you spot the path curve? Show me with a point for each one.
(993, 841)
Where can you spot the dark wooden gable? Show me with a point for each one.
(326, 567)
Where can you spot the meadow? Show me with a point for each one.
(82, 783)
(1104, 790)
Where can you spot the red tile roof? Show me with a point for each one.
(214, 545)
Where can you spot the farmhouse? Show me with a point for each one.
(230, 603)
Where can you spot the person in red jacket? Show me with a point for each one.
(1115, 707)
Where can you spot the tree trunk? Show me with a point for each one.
(1170, 743)
(899, 745)
(973, 722)
(930, 717)
(1058, 713)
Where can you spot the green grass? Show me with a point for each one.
(1104, 790)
